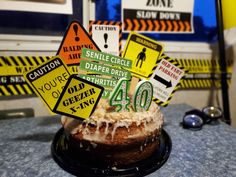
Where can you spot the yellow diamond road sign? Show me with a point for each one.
(48, 80)
(144, 53)
(79, 98)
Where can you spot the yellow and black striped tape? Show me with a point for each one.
(12, 68)
(202, 83)
(203, 73)
(17, 65)
(200, 73)
(204, 65)
(15, 89)
(23, 60)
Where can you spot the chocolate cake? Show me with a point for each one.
(115, 138)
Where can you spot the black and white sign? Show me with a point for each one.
(164, 79)
(157, 15)
(107, 37)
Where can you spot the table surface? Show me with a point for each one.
(211, 152)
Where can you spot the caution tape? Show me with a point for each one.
(204, 65)
(10, 89)
(22, 60)
(12, 68)
(157, 25)
(200, 73)
(202, 83)
(17, 65)
(203, 73)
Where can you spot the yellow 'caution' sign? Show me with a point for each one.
(144, 53)
(79, 98)
(48, 80)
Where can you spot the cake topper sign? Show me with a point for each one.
(79, 98)
(107, 66)
(119, 96)
(142, 97)
(106, 58)
(103, 69)
(105, 82)
(63, 93)
(144, 52)
(48, 80)
(107, 34)
(147, 55)
(74, 40)
(165, 79)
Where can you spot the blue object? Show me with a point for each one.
(204, 20)
(36, 23)
(192, 121)
(195, 119)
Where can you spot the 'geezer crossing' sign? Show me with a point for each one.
(79, 98)
(48, 80)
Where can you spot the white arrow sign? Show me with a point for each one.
(164, 79)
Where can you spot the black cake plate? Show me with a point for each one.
(75, 165)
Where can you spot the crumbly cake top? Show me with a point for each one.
(150, 120)
(107, 113)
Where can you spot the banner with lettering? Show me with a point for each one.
(166, 16)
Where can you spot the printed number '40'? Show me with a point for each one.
(119, 95)
(142, 97)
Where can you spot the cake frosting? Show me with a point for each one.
(131, 133)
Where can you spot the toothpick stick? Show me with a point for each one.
(133, 83)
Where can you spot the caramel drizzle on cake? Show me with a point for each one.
(103, 124)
